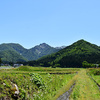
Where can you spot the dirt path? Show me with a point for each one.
(65, 92)
(66, 95)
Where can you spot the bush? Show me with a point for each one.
(37, 79)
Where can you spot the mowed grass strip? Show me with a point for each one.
(85, 88)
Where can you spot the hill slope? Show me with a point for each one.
(73, 55)
(42, 50)
(12, 52)
(9, 54)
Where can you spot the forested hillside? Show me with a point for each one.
(12, 52)
(72, 56)
(11, 56)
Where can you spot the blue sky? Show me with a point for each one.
(55, 22)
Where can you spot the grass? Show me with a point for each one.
(85, 88)
(96, 78)
(23, 82)
(54, 83)
(94, 71)
(66, 87)
(49, 83)
(95, 74)
(29, 89)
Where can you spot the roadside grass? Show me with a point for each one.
(85, 88)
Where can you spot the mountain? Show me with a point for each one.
(73, 55)
(41, 50)
(11, 56)
(11, 52)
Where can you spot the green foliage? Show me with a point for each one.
(23, 82)
(0, 61)
(37, 79)
(73, 55)
(56, 65)
(22, 93)
(85, 64)
(11, 56)
(94, 71)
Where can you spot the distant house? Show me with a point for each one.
(97, 65)
(17, 65)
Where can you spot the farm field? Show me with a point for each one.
(40, 83)
(34, 82)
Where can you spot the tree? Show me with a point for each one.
(99, 66)
(85, 64)
(0, 61)
(56, 65)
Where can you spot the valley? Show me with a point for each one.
(72, 72)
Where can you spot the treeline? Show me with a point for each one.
(85, 64)
(66, 62)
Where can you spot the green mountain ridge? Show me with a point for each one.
(12, 52)
(73, 55)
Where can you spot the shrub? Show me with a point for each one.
(37, 79)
